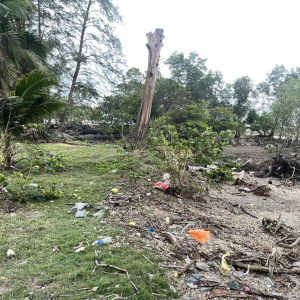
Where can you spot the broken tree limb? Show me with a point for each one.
(251, 191)
(291, 245)
(224, 293)
(260, 294)
(294, 270)
(96, 264)
(172, 239)
(186, 268)
(244, 210)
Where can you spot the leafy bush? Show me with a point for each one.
(178, 148)
(51, 162)
(17, 188)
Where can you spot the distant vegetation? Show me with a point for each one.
(74, 41)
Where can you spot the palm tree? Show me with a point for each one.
(20, 50)
(30, 102)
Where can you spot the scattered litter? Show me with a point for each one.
(160, 186)
(80, 249)
(131, 223)
(91, 182)
(102, 208)
(239, 175)
(148, 194)
(191, 285)
(73, 210)
(34, 185)
(168, 220)
(81, 206)
(224, 264)
(10, 253)
(113, 171)
(269, 280)
(151, 276)
(150, 229)
(201, 236)
(94, 289)
(106, 240)
(296, 264)
(23, 263)
(81, 214)
(115, 191)
(55, 249)
(187, 260)
(99, 213)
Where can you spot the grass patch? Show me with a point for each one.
(36, 228)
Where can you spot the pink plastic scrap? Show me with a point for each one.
(161, 186)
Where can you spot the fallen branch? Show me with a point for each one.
(186, 268)
(291, 245)
(279, 243)
(244, 210)
(119, 269)
(260, 294)
(292, 174)
(148, 259)
(223, 293)
(251, 191)
(294, 270)
(172, 239)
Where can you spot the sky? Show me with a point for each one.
(237, 37)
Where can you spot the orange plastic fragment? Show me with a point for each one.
(201, 236)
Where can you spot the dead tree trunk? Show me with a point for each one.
(154, 46)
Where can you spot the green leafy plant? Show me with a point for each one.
(49, 161)
(29, 103)
(179, 148)
(17, 187)
(134, 176)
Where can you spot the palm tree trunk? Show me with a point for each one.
(78, 65)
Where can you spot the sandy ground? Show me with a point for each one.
(244, 233)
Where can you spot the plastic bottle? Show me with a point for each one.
(106, 240)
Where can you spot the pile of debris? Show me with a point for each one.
(165, 231)
(287, 168)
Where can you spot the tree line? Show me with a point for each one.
(72, 44)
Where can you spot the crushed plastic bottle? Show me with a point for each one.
(106, 240)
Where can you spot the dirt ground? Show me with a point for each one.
(234, 217)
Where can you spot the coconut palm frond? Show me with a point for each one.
(37, 83)
(8, 71)
(17, 8)
(11, 46)
(30, 103)
(32, 61)
(32, 43)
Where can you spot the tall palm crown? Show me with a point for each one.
(20, 50)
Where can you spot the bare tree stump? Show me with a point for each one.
(154, 46)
